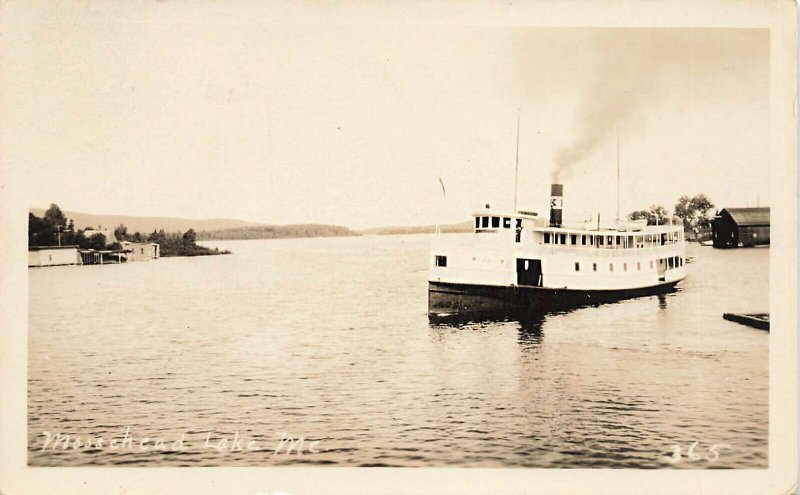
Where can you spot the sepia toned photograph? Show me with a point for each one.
(369, 244)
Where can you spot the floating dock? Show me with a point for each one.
(755, 320)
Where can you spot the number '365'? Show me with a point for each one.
(692, 453)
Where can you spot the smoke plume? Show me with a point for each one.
(622, 77)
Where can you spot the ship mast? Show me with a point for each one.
(617, 174)
(516, 165)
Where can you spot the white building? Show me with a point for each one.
(53, 255)
(141, 251)
(108, 233)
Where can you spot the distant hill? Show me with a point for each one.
(146, 225)
(452, 228)
(230, 229)
(275, 232)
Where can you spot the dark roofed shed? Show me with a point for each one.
(749, 217)
(747, 227)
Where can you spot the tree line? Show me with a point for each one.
(177, 244)
(276, 232)
(54, 229)
(694, 212)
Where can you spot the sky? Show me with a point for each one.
(355, 124)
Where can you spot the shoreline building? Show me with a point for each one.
(141, 251)
(107, 233)
(741, 227)
(53, 255)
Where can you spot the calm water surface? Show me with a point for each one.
(328, 339)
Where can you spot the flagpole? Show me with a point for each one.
(444, 195)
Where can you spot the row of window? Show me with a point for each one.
(493, 222)
(671, 262)
(612, 241)
(590, 240)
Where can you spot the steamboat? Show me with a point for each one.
(518, 261)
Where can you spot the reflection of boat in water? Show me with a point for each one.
(518, 261)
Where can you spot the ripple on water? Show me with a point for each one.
(265, 343)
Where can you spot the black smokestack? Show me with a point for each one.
(556, 204)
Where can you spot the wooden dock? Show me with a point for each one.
(755, 320)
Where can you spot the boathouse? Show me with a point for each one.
(741, 227)
(53, 255)
(141, 251)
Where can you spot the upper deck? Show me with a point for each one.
(528, 228)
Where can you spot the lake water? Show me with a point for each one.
(328, 340)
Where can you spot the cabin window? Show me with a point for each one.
(573, 239)
(611, 267)
(600, 240)
(547, 238)
(519, 230)
(681, 260)
(495, 222)
(610, 240)
(583, 240)
(441, 261)
(485, 222)
(671, 262)
(594, 267)
(477, 222)
(577, 266)
(591, 240)
(506, 223)
(563, 238)
(619, 241)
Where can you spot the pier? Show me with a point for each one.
(755, 320)
(104, 257)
